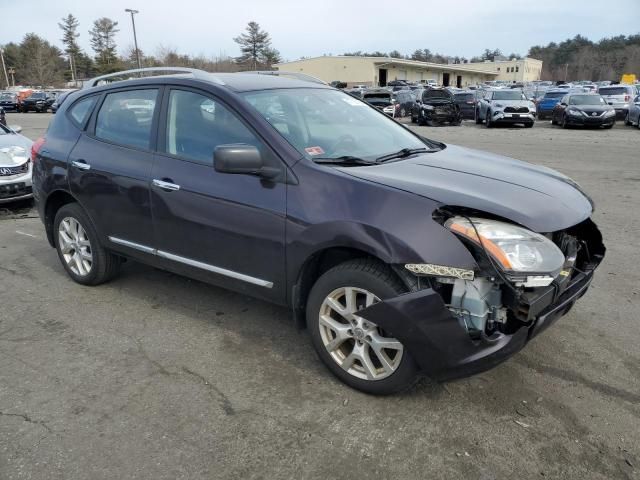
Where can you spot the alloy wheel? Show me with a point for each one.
(358, 346)
(75, 246)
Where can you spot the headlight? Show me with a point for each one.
(515, 249)
(573, 111)
(498, 105)
(17, 155)
(609, 113)
(427, 107)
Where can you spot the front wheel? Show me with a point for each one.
(487, 119)
(477, 116)
(627, 120)
(355, 350)
(85, 260)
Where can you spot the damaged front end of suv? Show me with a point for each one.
(459, 321)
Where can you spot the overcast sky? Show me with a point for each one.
(311, 28)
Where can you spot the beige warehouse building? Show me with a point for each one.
(373, 71)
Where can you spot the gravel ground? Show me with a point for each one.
(157, 376)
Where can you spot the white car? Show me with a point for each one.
(15, 165)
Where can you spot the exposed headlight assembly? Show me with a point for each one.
(609, 113)
(573, 111)
(526, 257)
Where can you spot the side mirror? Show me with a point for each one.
(564, 104)
(16, 128)
(241, 158)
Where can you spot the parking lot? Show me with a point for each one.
(157, 376)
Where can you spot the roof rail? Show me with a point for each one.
(278, 73)
(200, 74)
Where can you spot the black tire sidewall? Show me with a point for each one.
(98, 266)
(343, 276)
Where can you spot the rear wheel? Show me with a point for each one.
(355, 350)
(477, 116)
(563, 121)
(487, 119)
(627, 120)
(85, 260)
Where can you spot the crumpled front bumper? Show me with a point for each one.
(442, 347)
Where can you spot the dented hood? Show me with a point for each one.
(536, 197)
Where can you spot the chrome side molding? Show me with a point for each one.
(193, 263)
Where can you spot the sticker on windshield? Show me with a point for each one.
(314, 150)
(352, 101)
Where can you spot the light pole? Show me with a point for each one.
(4, 67)
(135, 40)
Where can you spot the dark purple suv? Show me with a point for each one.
(400, 254)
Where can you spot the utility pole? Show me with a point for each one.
(73, 68)
(4, 67)
(135, 39)
(566, 71)
(12, 72)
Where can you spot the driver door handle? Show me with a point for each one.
(165, 185)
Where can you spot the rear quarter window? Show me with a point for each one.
(81, 110)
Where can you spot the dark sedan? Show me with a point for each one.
(9, 101)
(583, 110)
(37, 102)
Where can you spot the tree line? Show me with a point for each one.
(579, 58)
(35, 61)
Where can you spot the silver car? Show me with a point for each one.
(633, 116)
(619, 97)
(505, 106)
(15, 165)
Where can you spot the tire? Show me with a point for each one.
(528, 125)
(364, 280)
(96, 264)
(421, 121)
(477, 117)
(627, 120)
(403, 112)
(563, 122)
(608, 127)
(553, 120)
(487, 119)
(541, 116)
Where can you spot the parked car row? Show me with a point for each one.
(26, 100)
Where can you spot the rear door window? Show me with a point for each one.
(126, 117)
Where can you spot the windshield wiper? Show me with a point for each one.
(405, 152)
(345, 160)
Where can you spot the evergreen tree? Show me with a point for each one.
(253, 45)
(104, 44)
(69, 27)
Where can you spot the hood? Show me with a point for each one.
(592, 108)
(15, 140)
(513, 103)
(538, 198)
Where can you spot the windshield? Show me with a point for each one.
(508, 95)
(323, 123)
(465, 97)
(554, 94)
(613, 91)
(37, 95)
(7, 96)
(586, 100)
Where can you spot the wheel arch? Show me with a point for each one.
(323, 260)
(54, 202)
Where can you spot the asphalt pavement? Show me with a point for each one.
(154, 376)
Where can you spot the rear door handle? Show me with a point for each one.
(81, 164)
(165, 185)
